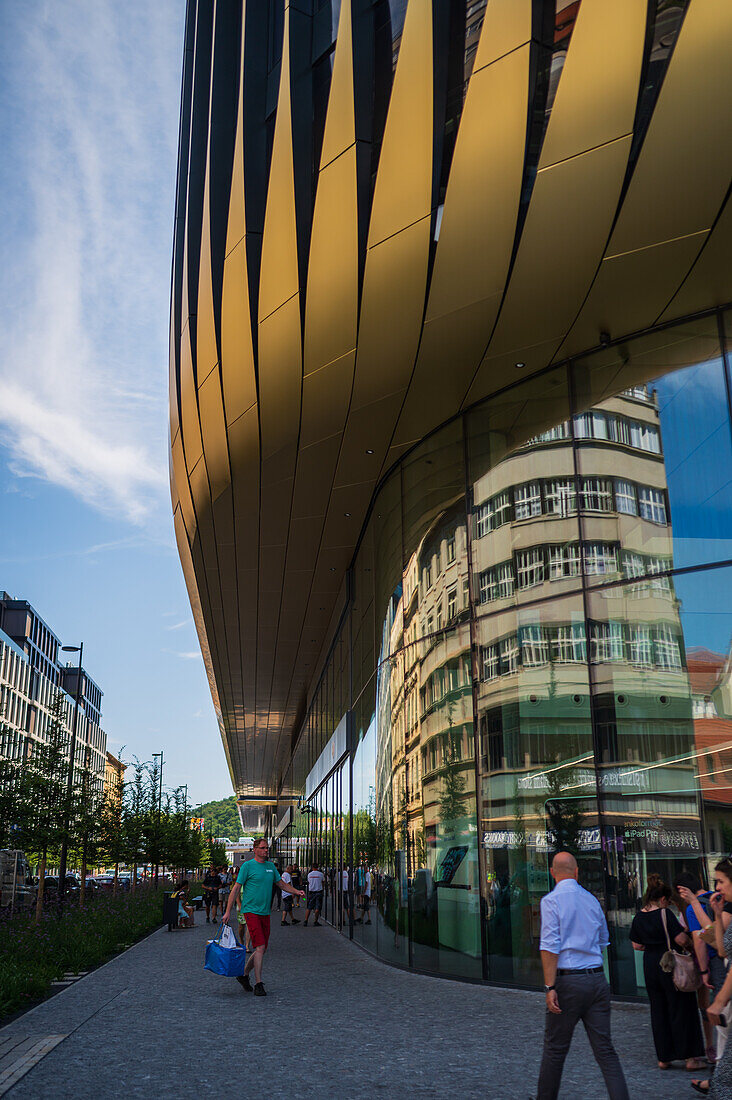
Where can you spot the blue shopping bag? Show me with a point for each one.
(227, 958)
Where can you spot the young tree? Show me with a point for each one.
(135, 819)
(45, 792)
(85, 821)
(452, 796)
(112, 838)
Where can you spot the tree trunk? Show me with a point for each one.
(133, 884)
(41, 883)
(116, 880)
(82, 889)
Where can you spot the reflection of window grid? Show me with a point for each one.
(600, 558)
(452, 602)
(527, 500)
(493, 513)
(451, 549)
(509, 654)
(633, 564)
(652, 504)
(561, 497)
(490, 662)
(668, 653)
(506, 583)
(534, 647)
(428, 575)
(530, 567)
(569, 645)
(487, 585)
(560, 431)
(618, 430)
(439, 614)
(625, 497)
(597, 495)
(659, 565)
(645, 437)
(640, 644)
(606, 642)
(466, 592)
(564, 561)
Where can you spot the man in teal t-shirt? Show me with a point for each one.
(256, 881)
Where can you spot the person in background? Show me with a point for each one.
(185, 911)
(675, 1023)
(211, 885)
(718, 1013)
(699, 920)
(365, 898)
(226, 879)
(297, 883)
(573, 934)
(316, 880)
(287, 898)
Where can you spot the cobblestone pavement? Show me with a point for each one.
(336, 1023)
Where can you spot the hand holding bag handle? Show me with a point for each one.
(686, 976)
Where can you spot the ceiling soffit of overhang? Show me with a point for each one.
(310, 331)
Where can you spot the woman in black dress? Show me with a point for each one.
(675, 1020)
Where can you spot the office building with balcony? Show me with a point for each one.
(451, 450)
(32, 674)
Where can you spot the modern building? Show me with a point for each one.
(451, 449)
(32, 674)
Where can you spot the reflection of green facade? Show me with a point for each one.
(450, 449)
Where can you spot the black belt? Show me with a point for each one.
(582, 970)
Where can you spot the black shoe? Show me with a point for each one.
(259, 990)
(208, 920)
(214, 921)
(294, 921)
(316, 924)
(305, 924)
(243, 980)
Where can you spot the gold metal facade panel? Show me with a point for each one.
(483, 191)
(340, 126)
(684, 167)
(182, 487)
(190, 424)
(278, 273)
(325, 397)
(331, 304)
(598, 89)
(403, 191)
(566, 230)
(280, 382)
(237, 351)
(631, 291)
(506, 25)
(207, 355)
(213, 429)
(709, 283)
(391, 313)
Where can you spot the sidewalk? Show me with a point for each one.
(336, 1022)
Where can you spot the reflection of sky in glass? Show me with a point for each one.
(364, 768)
(706, 609)
(697, 446)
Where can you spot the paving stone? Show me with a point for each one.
(154, 1024)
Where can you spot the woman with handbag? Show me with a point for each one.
(675, 1020)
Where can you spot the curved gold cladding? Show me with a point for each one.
(363, 300)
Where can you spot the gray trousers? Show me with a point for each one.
(584, 997)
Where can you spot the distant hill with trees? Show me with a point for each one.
(221, 817)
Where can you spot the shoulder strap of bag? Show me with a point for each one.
(665, 928)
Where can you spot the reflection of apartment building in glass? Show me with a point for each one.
(31, 675)
(450, 446)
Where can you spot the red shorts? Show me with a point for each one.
(258, 929)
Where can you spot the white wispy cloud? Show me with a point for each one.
(180, 625)
(89, 98)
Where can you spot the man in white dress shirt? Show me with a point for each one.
(573, 934)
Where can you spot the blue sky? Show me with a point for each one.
(89, 101)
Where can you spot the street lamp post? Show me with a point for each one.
(185, 824)
(160, 809)
(69, 775)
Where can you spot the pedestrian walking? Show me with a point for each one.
(677, 1033)
(185, 911)
(718, 1013)
(211, 885)
(573, 934)
(255, 882)
(365, 917)
(316, 880)
(287, 899)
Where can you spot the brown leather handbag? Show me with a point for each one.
(680, 964)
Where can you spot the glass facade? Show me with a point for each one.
(534, 653)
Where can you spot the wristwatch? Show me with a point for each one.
(549, 988)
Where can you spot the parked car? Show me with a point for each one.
(17, 889)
